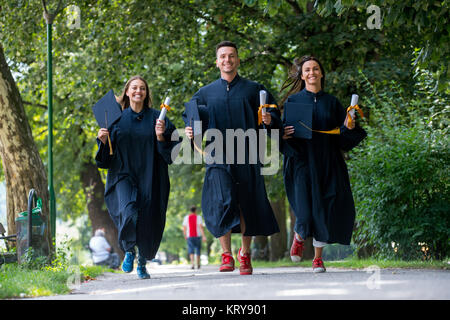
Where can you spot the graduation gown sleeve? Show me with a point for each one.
(165, 147)
(348, 139)
(103, 158)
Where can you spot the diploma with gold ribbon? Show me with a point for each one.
(351, 110)
(263, 105)
(164, 107)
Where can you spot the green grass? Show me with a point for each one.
(354, 263)
(19, 282)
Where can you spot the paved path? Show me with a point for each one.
(169, 282)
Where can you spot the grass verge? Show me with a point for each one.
(354, 263)
(19, 282)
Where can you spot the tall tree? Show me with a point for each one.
(98, 215)
(22, 165)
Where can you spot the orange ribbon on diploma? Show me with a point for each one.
(263, 105)
(260, 111)
(349, 116)
(164, 108)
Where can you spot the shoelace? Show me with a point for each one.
(244, 261)
(226, 259)
(298, 246)
(318, 262)
(130, 257)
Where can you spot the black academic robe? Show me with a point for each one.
(315, 174)
(137, 183)
(229, 189)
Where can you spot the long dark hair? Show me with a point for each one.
(124, 100)
(294, 82)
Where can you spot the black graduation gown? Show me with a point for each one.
(137, 184)
(231, 188)
(315, 174)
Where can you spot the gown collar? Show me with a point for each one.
(232, 83)
(312, 94)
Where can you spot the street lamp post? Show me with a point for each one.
(49, 18)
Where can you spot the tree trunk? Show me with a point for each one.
(261, 248)
(94, 190)
(22, 165)
(278, 245)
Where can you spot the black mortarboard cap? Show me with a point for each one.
(299, 115)
(107, 110)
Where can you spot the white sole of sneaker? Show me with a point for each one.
(296, 258)
(318, 270)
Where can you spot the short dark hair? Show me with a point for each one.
(226, 44)
(193, 208)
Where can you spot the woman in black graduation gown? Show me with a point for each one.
(315, 174)
(137, 185)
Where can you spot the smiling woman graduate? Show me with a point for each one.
(137, 184)
(315, 174)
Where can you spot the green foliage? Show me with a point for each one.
(16, 281)
(421, 21)
(400, 176)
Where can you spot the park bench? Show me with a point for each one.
(7, 257)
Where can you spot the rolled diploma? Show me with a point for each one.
(353, 102)
(164, 110)
(262, 100)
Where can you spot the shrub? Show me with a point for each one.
(400, 177)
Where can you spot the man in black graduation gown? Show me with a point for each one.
(234, 198)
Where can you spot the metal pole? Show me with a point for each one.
(50, 132)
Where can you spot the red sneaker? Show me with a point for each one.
(318, 266)
(297, 250)
(227, 263)
(245, 262)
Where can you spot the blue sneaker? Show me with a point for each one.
(142, 272)
(128, 261)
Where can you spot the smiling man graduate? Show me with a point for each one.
(234, 198)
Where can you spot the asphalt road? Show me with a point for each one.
(170, 282)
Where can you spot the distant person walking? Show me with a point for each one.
(102, 252)
(194, 234)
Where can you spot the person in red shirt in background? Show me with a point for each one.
(194, 234)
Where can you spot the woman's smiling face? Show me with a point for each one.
(311, 73)
(137, 91)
